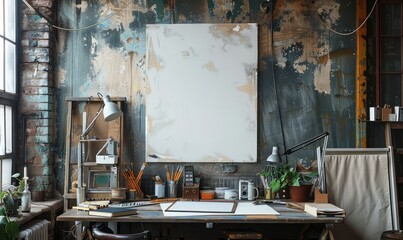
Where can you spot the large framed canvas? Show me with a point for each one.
(201, 93)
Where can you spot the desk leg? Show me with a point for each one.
(327, 231)
(79, 232)
(302, 232)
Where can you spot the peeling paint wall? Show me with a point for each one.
(306, 73)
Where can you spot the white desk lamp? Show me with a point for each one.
(274, 159)
(111, 112)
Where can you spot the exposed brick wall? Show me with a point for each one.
(37, 101)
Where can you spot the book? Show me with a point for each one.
(112, 212)
(324, 210)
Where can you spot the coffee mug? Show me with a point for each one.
(251, 190)
(231, 194)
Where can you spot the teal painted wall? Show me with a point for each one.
(306, 74)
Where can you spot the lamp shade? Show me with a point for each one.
(274, 157)
(111, 110)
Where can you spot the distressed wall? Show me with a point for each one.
(306, 82)
(37, 101)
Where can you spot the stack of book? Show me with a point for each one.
(112, 212)
(324, 210)
(91, 205)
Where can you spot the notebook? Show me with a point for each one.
(324, 210)
(113, 212)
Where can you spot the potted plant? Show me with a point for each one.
(12, 196)
(8, 228)
(286, 176)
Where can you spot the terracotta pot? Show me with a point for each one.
(300, 193)
(38, 196)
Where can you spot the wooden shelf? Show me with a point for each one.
(89, 147)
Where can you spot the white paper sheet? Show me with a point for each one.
(207, 207)
(243, 208)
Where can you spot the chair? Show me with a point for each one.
(363, 183)
(99, 235)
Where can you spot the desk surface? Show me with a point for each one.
(153, 213)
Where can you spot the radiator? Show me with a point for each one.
(34, 230)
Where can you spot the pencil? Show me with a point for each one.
(168, 173)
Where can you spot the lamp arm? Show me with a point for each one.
(91, 125)
(305, 143)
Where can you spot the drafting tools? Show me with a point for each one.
(174, 175)
(132, 181)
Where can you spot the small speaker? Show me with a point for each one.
(243, 189)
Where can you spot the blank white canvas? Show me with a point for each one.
(201, 93)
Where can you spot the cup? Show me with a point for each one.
(172, 189)
(220, 191)
(131, 195)
(231, 194)
(159, 190)
(392, 117)
(251, 190)
(268, 194)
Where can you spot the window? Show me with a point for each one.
(390, 45)
(8, 88)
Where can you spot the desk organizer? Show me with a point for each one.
(191, 192)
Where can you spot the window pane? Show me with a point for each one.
(9, 129)
(10, 19)
(391, 90)
(1, 64)
(6, 172)
(2, 137)
(10, 67)
(1, 17)
(390, 55)
(391, 19)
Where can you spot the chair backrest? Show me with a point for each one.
(99, 235)
(362, 182)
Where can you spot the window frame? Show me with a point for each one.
(9, 99)
(379, 73)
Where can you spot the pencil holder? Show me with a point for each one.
(159, 190)
(172, 189)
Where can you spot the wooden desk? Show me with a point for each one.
(153, 214)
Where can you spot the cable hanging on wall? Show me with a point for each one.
(355, 30)
(265, 7)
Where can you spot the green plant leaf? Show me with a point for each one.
(3, 234)
(296, 182)
(275, 185)
(3, 220)
(15, 175)
(12, 229)
(3, 194)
